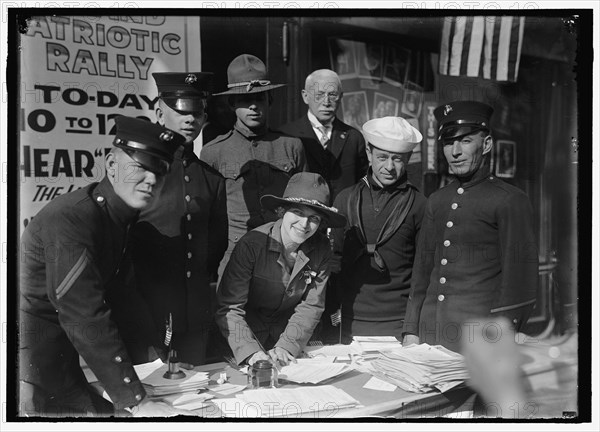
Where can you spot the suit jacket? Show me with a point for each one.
(343, 163)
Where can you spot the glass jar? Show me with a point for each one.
(262, 375)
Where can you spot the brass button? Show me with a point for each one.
(460, 191)
(100, 199)
(185, 163)
(189, 255)
(189, 236)
(188, 217)
(449, 224)
(126, 380)
(138, 397)
(186, 178)
(442, 280)
(118, 359)
(188, 274)
(444, 261)
(446, 243)
(188, 198)
(441, 297)
(454, 206)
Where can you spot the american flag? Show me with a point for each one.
(336, 318)
(482, 46)
(168, 330)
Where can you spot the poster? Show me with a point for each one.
(77, 74)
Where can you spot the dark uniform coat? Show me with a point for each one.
(253, 166)
(344, 161)
(476, 258)
(177, 245)
(260, 300)
(70, 255)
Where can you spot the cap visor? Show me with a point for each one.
(149, 162)
(185, 104)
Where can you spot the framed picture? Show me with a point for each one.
(412, 100)
(506, 158)
(355, 109)
(384, 106)
(370, 60)
(397, 62)
(342, 55)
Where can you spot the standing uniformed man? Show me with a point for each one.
(179, 241)
(254, 160)
(71, 254)
(477, 253)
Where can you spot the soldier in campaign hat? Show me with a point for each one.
(178, 241)
(253, 159)
(477, 252)
(71, 254)
(377, 246)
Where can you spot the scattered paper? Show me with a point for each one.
(285, 402)
(227, 388)
(188, 401)
(376, 384)
(344, 351)
(376, 343)
(312, 371)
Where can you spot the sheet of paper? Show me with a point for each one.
(332, 350)
(227, 388)
(377, 384)
(312, 371)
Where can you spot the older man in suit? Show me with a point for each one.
(333, 149)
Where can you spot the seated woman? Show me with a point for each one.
(272, 292)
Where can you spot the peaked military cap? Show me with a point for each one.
(460, 118)
(184, 91)
(149, 144)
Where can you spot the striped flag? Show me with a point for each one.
(482, 46)
(168, 330)
(336, 318)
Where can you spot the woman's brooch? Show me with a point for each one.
(309, 275)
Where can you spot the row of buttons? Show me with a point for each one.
(126, 380)
(447, 243)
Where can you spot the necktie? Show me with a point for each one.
(323, 138)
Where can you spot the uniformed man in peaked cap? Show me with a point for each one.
(179, 240)
(477, 253)
(70, 257)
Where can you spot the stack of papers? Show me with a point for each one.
(373, 344)
(285, 402)
(151, 376)
(312, 371)
(420, 368)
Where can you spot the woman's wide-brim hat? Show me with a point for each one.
(311, 190)
(247, 74)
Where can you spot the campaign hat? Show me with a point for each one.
(309, 189)
(247, 74)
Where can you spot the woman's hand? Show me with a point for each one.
(258, 355)
(281, 357)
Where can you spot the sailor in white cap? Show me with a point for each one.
(377, 246)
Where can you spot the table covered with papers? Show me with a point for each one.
(341, 381)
